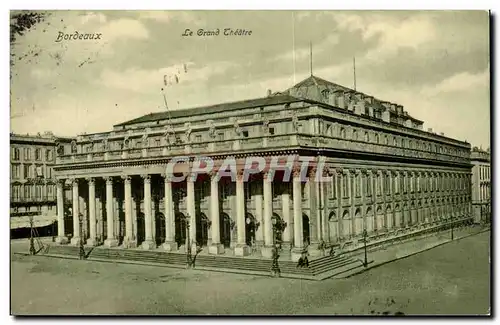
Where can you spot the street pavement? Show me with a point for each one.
(450, 279)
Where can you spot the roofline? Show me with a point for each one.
(294, 100)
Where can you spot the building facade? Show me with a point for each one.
(386, 175)
(481, 185)
(32, 180)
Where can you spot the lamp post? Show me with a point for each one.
(188, 243)
(452, 224)
(32, 239)
(365, 235)
(81, 251)
(277, 226)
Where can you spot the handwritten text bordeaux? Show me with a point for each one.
(217, 32)
(77, 36)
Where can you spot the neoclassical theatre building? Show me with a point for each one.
(387, 175)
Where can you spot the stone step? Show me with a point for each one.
(316, 267)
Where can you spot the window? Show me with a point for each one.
(377, 138)
(38, 155)
(27, 171)
(386, 140)
(15, 192)
(354, 135)
(379, 184)
(197, 138)
(157, 142)
(38, 192)
(16, 171)
(387, 184)
(27, 154)
(220, 136)
(342, 133)
(16, 154)
(403, 143)
(345, 187)
(367, 137)
(271, 131)
(245, 133)
(394, 141)
(27, 192)
(368, 185)
(357, 180)
(50, 190)
(48, 155)
(333, 190)
(49, 172)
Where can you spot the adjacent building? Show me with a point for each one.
(481, 185)
(387, 176)
(32, 181)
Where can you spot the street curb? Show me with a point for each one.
(375, 265)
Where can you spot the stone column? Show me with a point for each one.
(241, 248)
(216, 247)
(191, 209)
(285, 204)
(168, 205)
(148, 242)
(92, 240)
(76, 214)
(111, 241)
(314, 212)
(259, 233)
(268, 212)
(61, 235)
(297, 216)
(130, 239)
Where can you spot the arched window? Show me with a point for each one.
(342, 133)
(403, 143)
(354, 134)
(386, 140)
(377, 140)
(394, 141)
(367, 137)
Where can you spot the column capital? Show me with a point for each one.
(239, 174)
(311, 172)
(109, 180)
(60, 181)
(126, 178)
(146, 178)
(296, 171)
(74, 181)
(91, 181)
(339, 171)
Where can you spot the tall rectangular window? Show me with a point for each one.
(345, 187)
(368, 185)
(333, 189)
(357, 180)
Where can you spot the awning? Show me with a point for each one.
(38, 221)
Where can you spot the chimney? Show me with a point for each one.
(386, 116)
(331, 99)
(359, 108)
(340, 100)
(269, 92)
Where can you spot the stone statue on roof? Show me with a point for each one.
(295, 122)
(211, 130)
(145, 141)
(237, 128)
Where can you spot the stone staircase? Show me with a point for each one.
(319, 268)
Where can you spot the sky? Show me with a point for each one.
(434, 63)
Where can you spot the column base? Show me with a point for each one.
(267, 251)
(111, 242)
(148, 244)
(92, 242)
(62, 240)
(170, 246)
(297, 253)
(129, 243)
(216, 249)
(75, 241)
(242, 250)
(286, 248)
